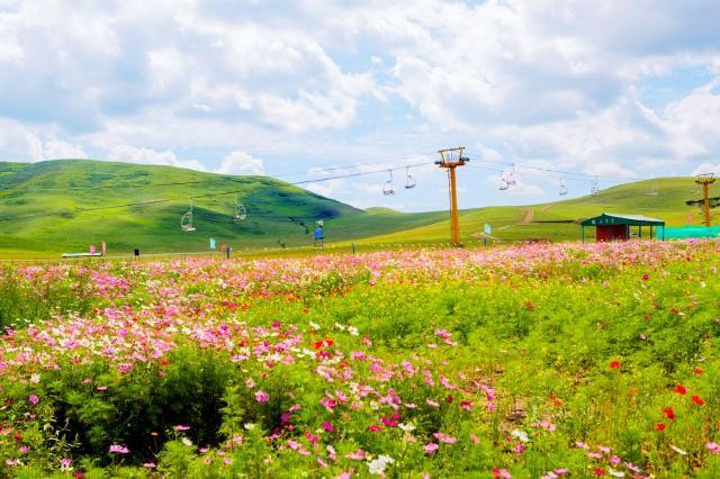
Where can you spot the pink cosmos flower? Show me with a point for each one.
(713, 447)
(65, 463)
(118, 449)
(356, 456)
(328, 427)
(262, 396)
(444, 438)
(181, 427)
(501, 474)
(430, 448)
(149, 465)
(34, 399)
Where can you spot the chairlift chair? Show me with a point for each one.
(563, 189)
(511, 180)
(389, 187)
(410, 181)
(240, 212)
(594, 188)
(186, 222)
(504, 185)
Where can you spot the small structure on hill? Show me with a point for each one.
(612, 227)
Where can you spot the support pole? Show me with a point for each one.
(706, 181)
(706, 202)
(454, 220)
(450, 159)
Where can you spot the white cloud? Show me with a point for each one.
(18, 143)
(148, 156)
(547, 82)
(706, 168)
(58, 149)
(241, 163)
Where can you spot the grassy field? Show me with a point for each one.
(532, 361)
(63, 206)
(53, 207)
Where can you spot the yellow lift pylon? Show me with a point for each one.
(450, 159)
(706, 180)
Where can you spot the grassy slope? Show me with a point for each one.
(45, 189)
(43, 194)
(508, 224)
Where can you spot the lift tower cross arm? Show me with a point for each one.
(450, 159)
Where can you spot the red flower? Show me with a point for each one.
(660, 426)
(374, 428)
(615, 364)
(599, 472)
(646, 277)
(669, 413)
(698, 371)
(697, 400)
(680, 389)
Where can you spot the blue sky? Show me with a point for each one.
(613, 89)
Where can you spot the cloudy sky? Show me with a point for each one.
(607, 88)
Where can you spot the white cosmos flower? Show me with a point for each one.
(406, 427)
(678, 450)
(521, 435)
(378, 465)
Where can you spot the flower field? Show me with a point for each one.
(537, 361)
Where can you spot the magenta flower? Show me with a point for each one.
(328, 427)
(262, 396)
(34, 399)
(181, 427)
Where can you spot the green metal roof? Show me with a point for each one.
(613, 219)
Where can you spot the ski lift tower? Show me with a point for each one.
(706, 180)
(450, 159)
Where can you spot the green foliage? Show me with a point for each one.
(33, 299)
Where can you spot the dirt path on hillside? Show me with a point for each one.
(527, 216)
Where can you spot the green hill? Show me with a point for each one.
(65, 205)
(663, 198)
(60, 206)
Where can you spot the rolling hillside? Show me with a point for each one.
(52, 207)
(555, 220)
(63, 206)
